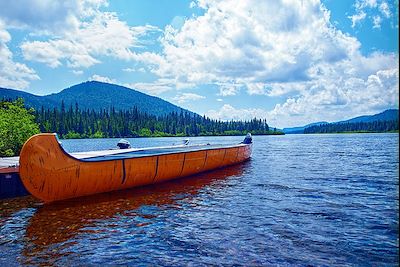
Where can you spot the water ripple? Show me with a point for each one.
(324, 200)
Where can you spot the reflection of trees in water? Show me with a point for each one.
(52, 228)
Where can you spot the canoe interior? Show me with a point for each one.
(154, 152)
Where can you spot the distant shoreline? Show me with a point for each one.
(356, 132)
(186, 136)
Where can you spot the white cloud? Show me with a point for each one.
(53, 52)
(343, 95)
(228, 112)
(5, 37)
(251, 44)
(13, 74)
(92, 35)
(360, 4)
(256, 88)
(277, 48)
(161, 85)
(368, 9)
(142, 70)
(341, 99)
(357, 18)
(228, 89)
(385, 10)
(187, 97)
(77, 72)
(129, 70)
(103, 79)
(47, 16)
(153, 88)
(377, 20)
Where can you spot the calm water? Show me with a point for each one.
(300, 200)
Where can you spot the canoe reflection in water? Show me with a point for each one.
(55, 228)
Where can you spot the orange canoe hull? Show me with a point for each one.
(51, 174)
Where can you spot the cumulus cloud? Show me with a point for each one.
(255, 42)
(187, 97)
(278, 48)
(251, 45)
(228, 112)
(160, 86)
(330, 100)
(13, 74)
(227, 89)
(92, 35)
(47, 16)
(153, 88)
(336, 105)
(103, 79)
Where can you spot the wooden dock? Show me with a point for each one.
(9, 165)
(10, 182)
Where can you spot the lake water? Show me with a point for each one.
(301, 200)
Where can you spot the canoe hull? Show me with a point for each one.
(51, 174)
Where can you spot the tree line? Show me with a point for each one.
(375, 126)
(73, 122)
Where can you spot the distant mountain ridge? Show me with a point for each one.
(96, 95)
(387, 115)
(300, 129)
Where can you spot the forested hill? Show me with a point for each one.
(387, 121)
(387, 115)
(97, 96)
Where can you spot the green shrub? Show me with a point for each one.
(17, 124)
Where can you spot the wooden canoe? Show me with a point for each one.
(50, 174)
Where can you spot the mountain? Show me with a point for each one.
(300, 129)
(387, 115)
(96, 95)
(30, 99)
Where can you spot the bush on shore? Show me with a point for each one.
(17, 124)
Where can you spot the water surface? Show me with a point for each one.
(301, 200)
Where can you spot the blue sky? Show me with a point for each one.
(292, 62)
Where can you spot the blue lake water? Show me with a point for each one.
(301, 200)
